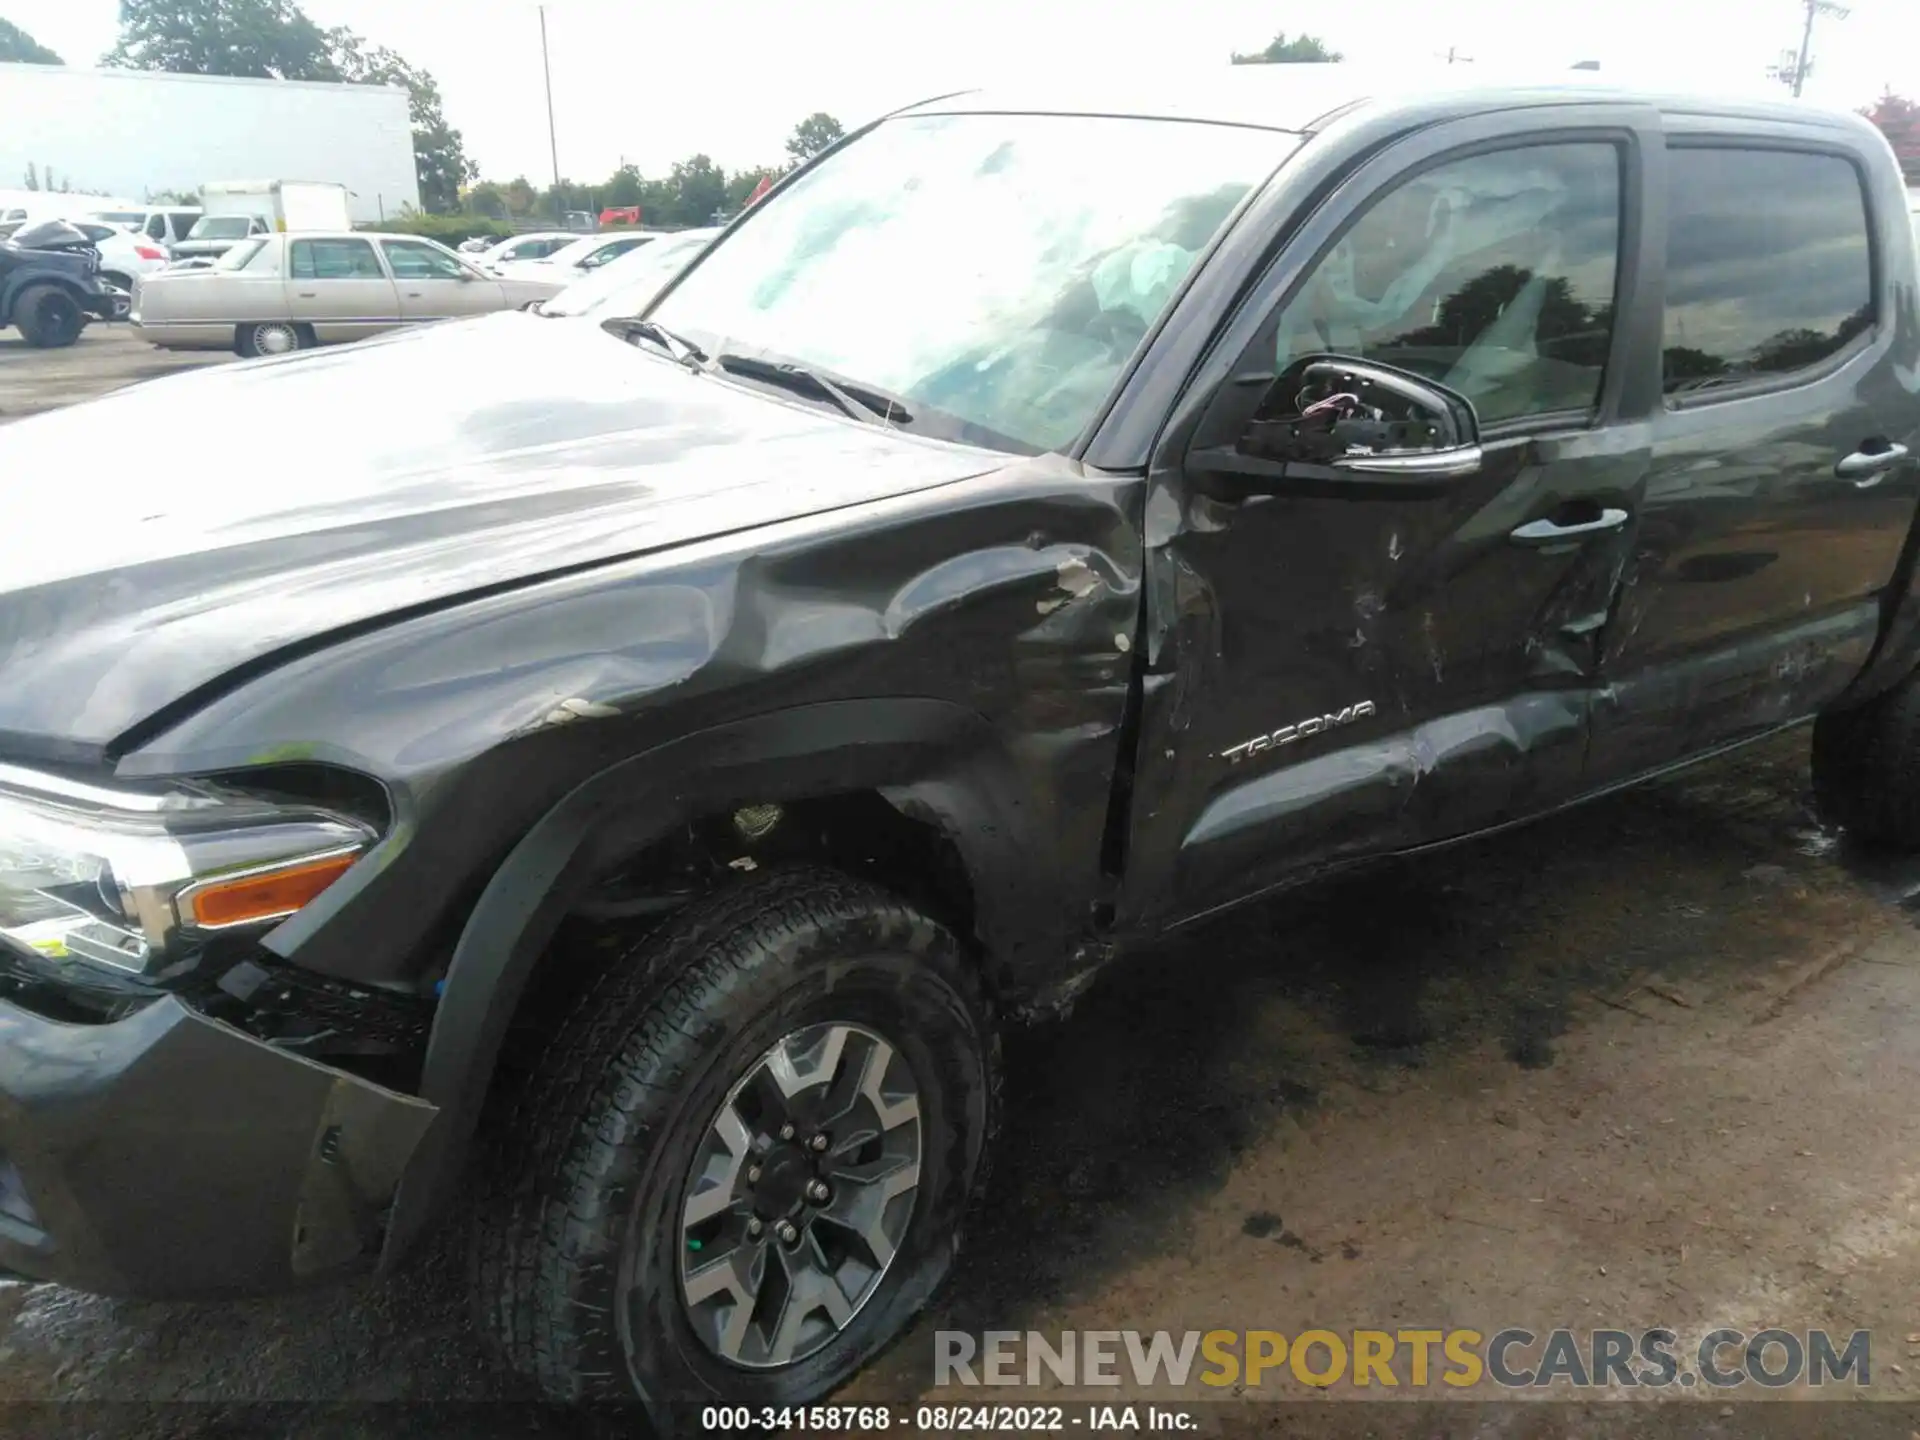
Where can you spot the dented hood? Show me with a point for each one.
(246, 509)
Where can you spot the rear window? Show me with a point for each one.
(1769, 264)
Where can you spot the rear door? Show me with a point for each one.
(337, 286)
(1776, 503)
(433, 285)
(1338, 666)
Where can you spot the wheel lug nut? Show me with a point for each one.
(754, 1227)
(786, 1132)
(753, 1175)
(819, 1142)
(788, 1235)
(819, 1193)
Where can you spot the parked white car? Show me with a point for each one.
(585, 255)
(627, 285)
(165, 225)
(124, 254)
(535, 245)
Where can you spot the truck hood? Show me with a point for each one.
(258, 506)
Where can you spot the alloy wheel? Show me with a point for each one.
(799, 1195)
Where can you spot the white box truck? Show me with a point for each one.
(235, 209)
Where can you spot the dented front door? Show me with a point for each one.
(1331, 671)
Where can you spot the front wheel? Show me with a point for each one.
(276, 337)
(742, 1167)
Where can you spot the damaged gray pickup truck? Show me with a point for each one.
(609, 783)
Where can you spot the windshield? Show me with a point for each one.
(239, 255)
(999, 268)
(625, 285)
(219, 227)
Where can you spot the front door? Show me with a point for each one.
(433, 285)
(1338, 669)
(1776, 503)
(336, 285)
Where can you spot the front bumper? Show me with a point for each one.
(169, 1155)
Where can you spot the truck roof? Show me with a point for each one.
(1302, 99)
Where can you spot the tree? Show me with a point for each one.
(439, 155)
(701, 189)
(488, 199)
(521, 196)
(1301, 49)
(625, 189)
(267, 39)
(812, 135)
(742, 183)
(1899, 120)
(18, 46)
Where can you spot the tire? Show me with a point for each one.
(592, 1204)
(273, 337)
(1866, 767)
(48, 317)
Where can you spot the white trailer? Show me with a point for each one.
(144, 133)
(283, 204)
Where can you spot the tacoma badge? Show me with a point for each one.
(1299, 730)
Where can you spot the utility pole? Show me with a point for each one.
(553, 143)
(1454, 58)
(1793, 70)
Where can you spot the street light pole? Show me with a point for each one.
(553, 143)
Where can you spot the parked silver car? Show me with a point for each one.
(272, 294)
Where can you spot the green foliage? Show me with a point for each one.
(1899, 120)
(439, 156)
(447, 229)
(18, 46)
(1301, 49)
(267, 39)
(812, 135)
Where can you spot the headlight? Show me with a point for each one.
(134, 879)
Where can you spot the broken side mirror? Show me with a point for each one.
(1332, 419)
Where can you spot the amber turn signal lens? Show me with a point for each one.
(266, 896)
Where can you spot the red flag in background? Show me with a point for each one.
(766, 184)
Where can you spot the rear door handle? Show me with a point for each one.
(307, 294)
(1547, 532)
(1869, 467)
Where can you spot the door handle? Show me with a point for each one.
(307, 294)
(1547, 532)
(1869, 467)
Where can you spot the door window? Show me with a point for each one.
(156, 226)
(1493, 275)
(1769, 266)
(413, 261)
(335, 260)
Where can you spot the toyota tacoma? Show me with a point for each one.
(610, 781)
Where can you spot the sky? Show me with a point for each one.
(651, 84)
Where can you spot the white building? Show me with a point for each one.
(140, 133)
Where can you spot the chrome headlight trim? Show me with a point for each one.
(97, 873)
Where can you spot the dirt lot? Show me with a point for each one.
(1649, 1063)
(107, 358)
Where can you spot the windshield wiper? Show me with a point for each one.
(678, 346)
(860, 402)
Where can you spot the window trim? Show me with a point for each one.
(295, 242)
(1806, 375)
(1625, 142)
(389, 243)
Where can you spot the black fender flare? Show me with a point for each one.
(26, 279)
(934, 760)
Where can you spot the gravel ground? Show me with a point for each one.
(107, 358)
(1647, 1063)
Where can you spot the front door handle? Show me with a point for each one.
(1548, 532)
(307, 294)
(1869, 467)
